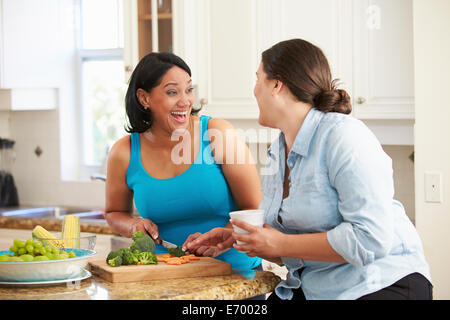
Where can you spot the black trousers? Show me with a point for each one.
(412, 287)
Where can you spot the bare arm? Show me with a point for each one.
(119, 205)
(118, 210)
(238, 165)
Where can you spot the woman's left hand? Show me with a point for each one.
(209, 244)
(262, 241)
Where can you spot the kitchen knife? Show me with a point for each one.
(167, 244)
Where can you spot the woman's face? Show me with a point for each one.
(263, 94)
(171, 101)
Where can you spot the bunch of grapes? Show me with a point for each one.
(34, 251)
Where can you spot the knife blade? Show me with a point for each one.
(167, 244)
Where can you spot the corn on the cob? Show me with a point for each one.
(40, 233)
(71, 231)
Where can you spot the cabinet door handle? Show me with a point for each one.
(128, 69)
(361, 100)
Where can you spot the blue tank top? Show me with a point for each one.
(197, 200)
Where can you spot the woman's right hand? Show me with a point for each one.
(217, 237)
(144, 225)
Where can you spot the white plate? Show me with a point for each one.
(84, 275)
(46, 270)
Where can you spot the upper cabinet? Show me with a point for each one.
(148, 27)
(368, 44)
(383, 61)
(225, 57)
(32, 52)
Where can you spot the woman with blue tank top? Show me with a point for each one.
(182, 184)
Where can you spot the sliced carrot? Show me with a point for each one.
(192, 257)
(163, 258)
(174, 261)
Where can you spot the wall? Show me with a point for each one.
(4, 124)
(432, 132)
(38, 178)
(403, 176)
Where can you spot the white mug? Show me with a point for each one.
(253, 217)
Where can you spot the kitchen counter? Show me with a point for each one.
(54, 224)
(233, 287)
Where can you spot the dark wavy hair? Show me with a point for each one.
(304, 69)
(148, 75)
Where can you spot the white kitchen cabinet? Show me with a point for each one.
(383, 64)
(227, 58)
(368, 44)
(31, 53)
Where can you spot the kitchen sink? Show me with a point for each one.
(51, 212)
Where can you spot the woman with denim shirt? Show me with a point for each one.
(330, 216)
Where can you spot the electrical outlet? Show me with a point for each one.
(433, 187)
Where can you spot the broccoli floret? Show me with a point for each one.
(177, 252)
(142, 242)
(147, 258)
(113, 254)
(129, 256)
(116, 261)
(137, 234)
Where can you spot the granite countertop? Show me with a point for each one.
(232, 287)
(54, 224)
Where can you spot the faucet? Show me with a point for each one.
(98, 176)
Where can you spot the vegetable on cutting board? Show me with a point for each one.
(140, 252)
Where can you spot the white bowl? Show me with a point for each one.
(46, 270)
(253, 217)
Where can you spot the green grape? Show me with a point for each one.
(42, 251)
(72, 254)
(21, 251)
(50, 255)
(19, 243)
(26, 257)
(4, 257)
(55, 251)
(29, 241)
(29, 248)
(13, 248)
(40, 258)
(64, 255)
(48, 248)
(15, 259)
(37, 244)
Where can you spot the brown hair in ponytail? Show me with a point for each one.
(304, 69)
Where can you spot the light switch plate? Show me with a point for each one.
(433, 187)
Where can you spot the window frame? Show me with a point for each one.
(82, 56)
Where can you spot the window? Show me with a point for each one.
(102, 80)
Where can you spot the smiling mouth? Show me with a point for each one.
(179, 116)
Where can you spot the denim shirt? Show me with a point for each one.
(341, 183)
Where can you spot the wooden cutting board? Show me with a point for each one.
(199, 268)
